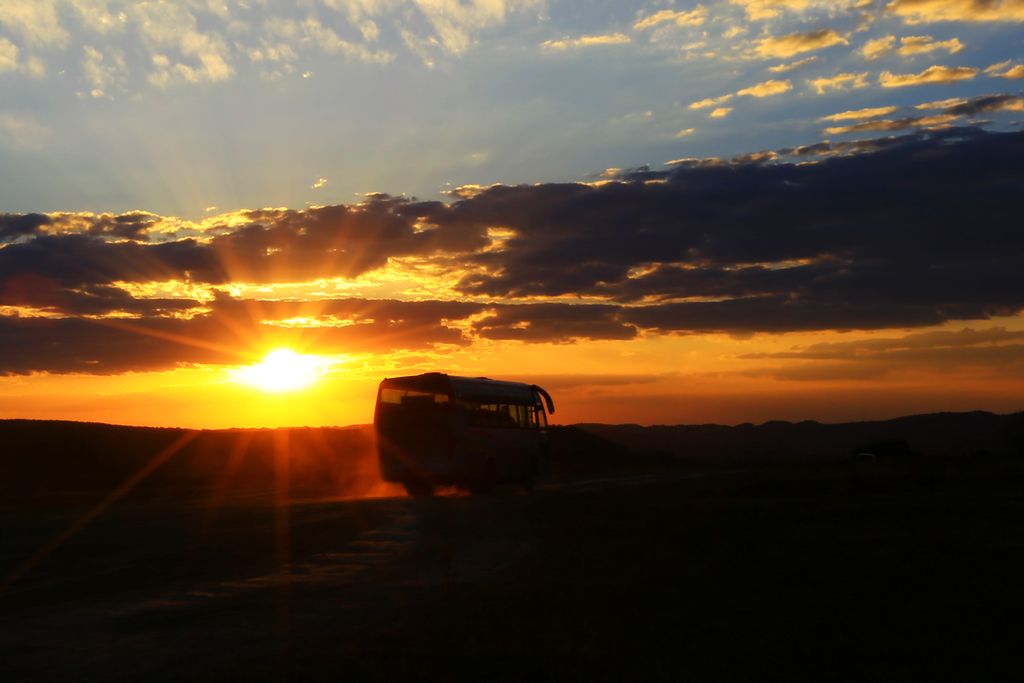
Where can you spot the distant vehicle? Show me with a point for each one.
(470, 432)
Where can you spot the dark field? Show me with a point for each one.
(624, 565)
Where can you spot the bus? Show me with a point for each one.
(470, 432)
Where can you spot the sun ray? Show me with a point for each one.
(98, 509)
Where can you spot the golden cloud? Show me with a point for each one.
(844, 81)
(586, 41)
(721, 112)
(783, 68)
(928, 11)
(886, 125)
(711, 102)
(694, 17)
(908, 46)
(915, 45)
(1006, 70)
(768, 9)
(797, 43)
(766, 89)
(933, 74)
(876, 47)
(941, 104)
(860, 114)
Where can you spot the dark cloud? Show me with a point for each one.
(554, 322)
(271, 245)
(908, 231)
(915, 233)
(987, 104)
(885, 125)
(844, 148)
(132, 225)
(45, 295)
(14, 225)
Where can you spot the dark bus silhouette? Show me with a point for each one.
(471, 432)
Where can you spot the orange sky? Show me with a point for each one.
(656, 380)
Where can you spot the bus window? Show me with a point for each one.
(495, 414)
(412, 398)
(538, 418)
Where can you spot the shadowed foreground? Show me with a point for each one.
(618, 566)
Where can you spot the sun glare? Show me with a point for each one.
(282, 370)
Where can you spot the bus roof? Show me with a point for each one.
(466, 387)
(473, 388)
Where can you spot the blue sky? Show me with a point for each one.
(180, 106)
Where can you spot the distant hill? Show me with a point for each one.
(61, 458)
(937, 434)
(43, 460)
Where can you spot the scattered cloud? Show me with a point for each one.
(769, 9)
(797, 43)
(586, 41)
(933, 74)
(766, 89)
(950, 110)
(34, 21)
(784, 68)
(929, 11)
(839, 82)
(987, 104)
(877, 47)
(102, 72)
(711, 102)
(454, 22)
(915, 45)
(763, 89)
(888, 125)
(8, 56)
(1006, 70)
(941, 104)
(859, 114)
(320, 182)
(684, 133)
(311, 32)
(168, 29)
(99, 16)
(909, 46)
(695, 17)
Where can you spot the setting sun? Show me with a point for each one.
(282, 370)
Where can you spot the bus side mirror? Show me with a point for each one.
(547, 398)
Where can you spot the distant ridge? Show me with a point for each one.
(975, 433)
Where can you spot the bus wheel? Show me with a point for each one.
(418, 488)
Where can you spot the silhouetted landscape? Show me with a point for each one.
(703, 552)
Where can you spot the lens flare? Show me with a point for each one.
(282, 370)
